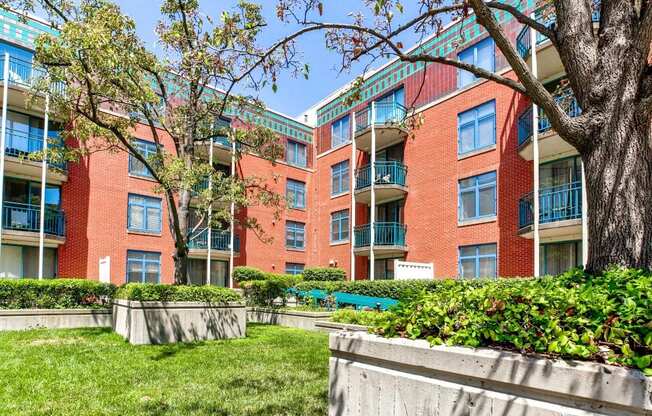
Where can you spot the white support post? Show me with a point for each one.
(231, 225)
(585, 221)
(535, 148)
(3, 133)
(352, 216)
(372, 210)
(44, 170)
(209, 231)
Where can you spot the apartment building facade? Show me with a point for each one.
(458, 192)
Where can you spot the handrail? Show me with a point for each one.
(386, 113)
(19, 143)
(220, 240)
(556, 203)
(565, 99)
(26, 217)
(386, 234)
(26, 73)
(390, 172)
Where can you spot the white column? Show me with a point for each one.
(44, 170)
(352, 215)
(585, 223)
(209, 231)
(3, 133)
(535, 148)
(231, 225)
(372, 211)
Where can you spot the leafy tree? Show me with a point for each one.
(183, 95)
(608, 69)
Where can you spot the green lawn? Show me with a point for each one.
(274, 371)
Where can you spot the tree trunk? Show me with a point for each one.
(618, 169)
(181, 247)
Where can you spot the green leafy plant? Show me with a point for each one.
(273, 287)
(54, 294)
(366, 318)
(324, 274)
(575, 315)
(244, 274)
(176, 293)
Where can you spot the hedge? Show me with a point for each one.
(324, 274)
(244, 273)
(395, 289)
(575, 315)
(351, 316)
(173, 293)
(264, 292)
(54, 294)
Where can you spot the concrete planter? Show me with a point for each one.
(169, 322)
(330, 326)
(370, 375)
(294, 319)
(19, 319)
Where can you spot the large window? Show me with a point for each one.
(144, 214)
(476, 128)
(560, 172)
(384, 269)
(478, 261)
(481, 55)
(197, 272)
(294, 268)
(295, 234)
(340, 178)
(295, 193)
(296, 153)
(340, 226)
(477, 197)
(340, 131)
(557, 258)
(143, 267)
(145, 149)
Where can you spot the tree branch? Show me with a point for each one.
(523, 19)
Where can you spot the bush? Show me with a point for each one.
(574, 315)
(366, 318)
(395, 289)
(54, 294)
(170, 293)
(264, 292)
(245, 274)
(324, 274)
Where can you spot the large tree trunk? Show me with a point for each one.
(618, 169)
(181, 247)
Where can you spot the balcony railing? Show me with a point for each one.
(547, 17)
(21, 144)
(388, 172)
(386, 113)
(220, 240)
(386, 234)
(557, 203)
(565, 100)
(26, 217)
(26, 74)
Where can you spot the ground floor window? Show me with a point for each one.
(22, 261)
(384, 268)
(294, 268)
(143, 267)
(556, 258)
(478, 261)
(197, 272)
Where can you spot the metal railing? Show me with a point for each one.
(557, 203)
(21, 144)
(565, 100)
(389, 172)
(27, 217)
(220, 240)
(386, 234)
(26, 74)
(386, 113)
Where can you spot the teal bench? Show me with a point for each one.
(347, 299)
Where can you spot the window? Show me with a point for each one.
(389, 109)
(295, 193)
(340, 226)
(557, 258)
(476, 128)
(384, 269)
(294, 268)
(340, 131)
(145, 149)
(478, 261)
(480, 55)
(477, 197)
(295, 234)
(296, 153)
(143, 267)
(144, 214)
(340, 178)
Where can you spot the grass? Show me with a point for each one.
(274, 371)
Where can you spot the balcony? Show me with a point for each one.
(388, 125)
(220, 244)
(389, 183)
(221, 150)
(389, 238)
(23, 75)
(549, 63)
(18, 146)
(560, 213)
(22, 224)
(551, 145)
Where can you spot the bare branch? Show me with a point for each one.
(523, 19)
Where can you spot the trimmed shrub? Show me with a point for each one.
(265, 292)
(54, 294)
(395, 289)
(574, 315)
(244, 274)
(173, 293)
(324, 274)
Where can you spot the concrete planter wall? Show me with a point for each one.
(169, 322)
(370, 375)
(19, 319)
(330, 326)
(294, 319)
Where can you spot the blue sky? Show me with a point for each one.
(294, 94)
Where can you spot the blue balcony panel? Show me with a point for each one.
(220, 240)
(389, 172)
(386, 234)
(27, 217)
(557, 203)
